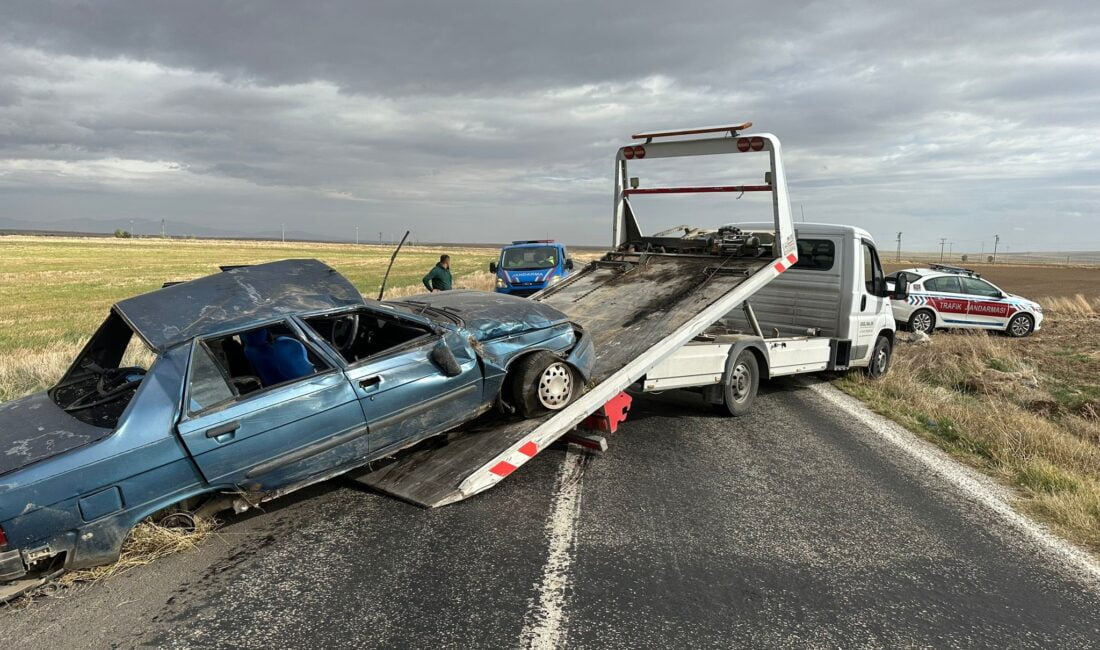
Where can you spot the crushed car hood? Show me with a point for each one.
(33, 428)
(492, 315)
(237, 297)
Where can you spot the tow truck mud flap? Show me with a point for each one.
(637, 308)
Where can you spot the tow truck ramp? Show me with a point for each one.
(639, 306)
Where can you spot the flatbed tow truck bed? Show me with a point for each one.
(632, 306)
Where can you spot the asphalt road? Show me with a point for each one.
(796, 526)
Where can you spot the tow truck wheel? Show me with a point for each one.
(542, 382)
(922, 320)
(1020, 326)
(739, 384)
(879, 364)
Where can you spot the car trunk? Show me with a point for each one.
(33, 428)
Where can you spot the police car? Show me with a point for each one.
(951, 297)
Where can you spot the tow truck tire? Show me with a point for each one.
(922, 320)
(1020, 326)
(542, 382)
(739, 384)
(879, 364)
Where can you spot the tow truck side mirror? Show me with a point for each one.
(492, 267)
(901, 288)
(569, 264)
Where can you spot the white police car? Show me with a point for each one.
(951, 297)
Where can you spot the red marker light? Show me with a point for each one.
(639, 152)
(628, 152)
(757, 143)
(742, 144)
(3, 538)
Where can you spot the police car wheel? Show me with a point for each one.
(879, 364)
(922, 320)
(1020, 326)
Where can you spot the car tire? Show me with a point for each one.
(740, 382)
(542, 382)
(922, 320)
(1020, 326)
(879, 364)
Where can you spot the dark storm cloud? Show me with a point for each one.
(480, 120)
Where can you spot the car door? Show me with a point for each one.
(946, 296)
(987, 305)
(872, 299)
(407, 391)
(275, 435)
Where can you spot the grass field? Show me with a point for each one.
(1026, 411)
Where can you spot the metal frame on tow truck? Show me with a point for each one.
(639, 304)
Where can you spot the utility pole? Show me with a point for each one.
(943, 242)
(950, 247)
(996, 240)
(283, 226)
(898, 258)
(357, 235)
(379, 237)
(162, 229)
(132, 233)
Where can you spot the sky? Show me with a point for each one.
(482, 121)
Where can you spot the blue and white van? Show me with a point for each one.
(529, 266)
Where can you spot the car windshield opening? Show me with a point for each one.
(536, 257)
(105, 376)
(362, 333)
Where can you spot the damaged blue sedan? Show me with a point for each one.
(245, 385)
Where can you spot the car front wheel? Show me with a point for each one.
(1021, 325)
(880, 358)
(922, 320)
(541, 383)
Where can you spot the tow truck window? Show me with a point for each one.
(539, 257)
(976, 287)
(944, 284)
(815, 254)
(872, 271)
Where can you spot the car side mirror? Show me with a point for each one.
(492, 267)
(901, 288)
(445, 360)
(569, 264)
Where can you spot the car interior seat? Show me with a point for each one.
(275, 361)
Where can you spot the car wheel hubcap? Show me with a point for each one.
(880, 361)
(922, 323)
(555, 386)
(1019, 326)
(739, 382)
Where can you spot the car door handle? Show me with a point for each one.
(221, 430)
(863, 303)
(370, 382)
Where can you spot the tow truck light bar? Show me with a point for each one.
(732, 129)
(698, 190)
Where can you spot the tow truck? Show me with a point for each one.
(672, 311)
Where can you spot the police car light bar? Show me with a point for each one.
(952, 269)
(699, 190)
(732, 129)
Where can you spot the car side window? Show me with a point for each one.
(944, 284)
(248, 362)
(977, 287)
(209, 386)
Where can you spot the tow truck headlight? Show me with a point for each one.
(500, 282)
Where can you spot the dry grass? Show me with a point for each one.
(1026, 411)
(146, 543)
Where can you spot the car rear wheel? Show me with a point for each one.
(542, 383)
(922, 320)
(879, 364)
(1021, 325)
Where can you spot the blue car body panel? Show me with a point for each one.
(75, 498)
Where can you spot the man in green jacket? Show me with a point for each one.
(439, 278)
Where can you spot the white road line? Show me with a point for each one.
(975, 485)
(546, 620)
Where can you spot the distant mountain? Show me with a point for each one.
(146, 227)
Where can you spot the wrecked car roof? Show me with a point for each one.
(235, 298)
(491, 315)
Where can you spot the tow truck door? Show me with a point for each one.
(872, 301)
